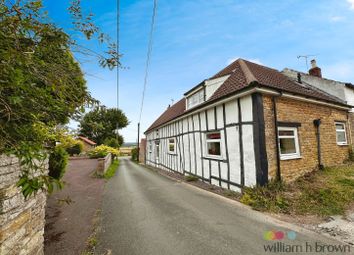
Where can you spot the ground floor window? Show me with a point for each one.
(341, 133)
(288, 143)
(213, 141)
(172, 145)
(150, 146)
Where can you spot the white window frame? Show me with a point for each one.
(221, 140)
(150, 146)
(200, 98)
(168, 145)
(297, 146)
(341, 130)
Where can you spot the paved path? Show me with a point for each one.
(68, 226)
(146, 213)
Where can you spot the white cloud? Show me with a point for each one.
(351, 2)
(254, 60)
(336, 18)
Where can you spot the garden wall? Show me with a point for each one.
(103, 164)
(21, 221)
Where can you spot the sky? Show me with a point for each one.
(194, 39)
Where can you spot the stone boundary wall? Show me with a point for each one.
(21, 221)
(103, 164)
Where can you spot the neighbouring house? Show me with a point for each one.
(248, 124)
(342, 90)
(88, 144)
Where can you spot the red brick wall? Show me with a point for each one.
(289, 110)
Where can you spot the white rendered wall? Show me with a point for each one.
(212, 85)
(190, 133)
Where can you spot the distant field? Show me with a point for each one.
(128, 145)
(126, 151)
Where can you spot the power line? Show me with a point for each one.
(148, 57)
(147, 69)
(118, 42)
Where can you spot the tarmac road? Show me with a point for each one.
(146, 213)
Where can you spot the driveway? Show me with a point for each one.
(146, 213)
(68, 225)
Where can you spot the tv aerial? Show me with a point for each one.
(306, 58)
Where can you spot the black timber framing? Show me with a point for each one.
(259, 140)
(226, 148)
(189, 147)
(201, 144)
(184, 153)
(177, 130)
(195, 147)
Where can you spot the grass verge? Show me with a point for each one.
(112, 169)
(191, 178)
(322, 193)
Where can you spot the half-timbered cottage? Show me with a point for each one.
(247, 124)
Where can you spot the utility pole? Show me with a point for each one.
(138, 141)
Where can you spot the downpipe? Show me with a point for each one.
(317, 124)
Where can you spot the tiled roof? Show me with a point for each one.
(86, 140)
(171, 113)
(242, 74)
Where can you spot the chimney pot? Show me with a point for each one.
(313, 63)
(315, 70)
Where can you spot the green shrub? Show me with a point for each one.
(266, 198)
(102, 151)
(72, 146)
(135, 154)
(111, 142)
(75, 149)
(58, 160)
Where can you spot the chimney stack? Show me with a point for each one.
(315, 70)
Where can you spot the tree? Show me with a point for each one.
(100, 124)
(41, 84)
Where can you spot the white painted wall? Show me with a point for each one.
(212, 85)
(349, 95)
(190, 133)
(335, 88)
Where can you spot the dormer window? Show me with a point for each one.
(195, 99)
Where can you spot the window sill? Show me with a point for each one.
(172, 153)
(342, 144)
(290, 157)
(213, 157)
